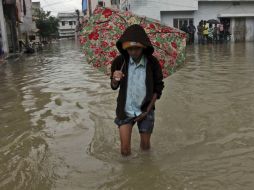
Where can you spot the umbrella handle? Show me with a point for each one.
(122, 66)
(118, 79)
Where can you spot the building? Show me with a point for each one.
(92, 4)
(16, 23)
(36, 5)
(35, 31)
(3, 31)
(12, 16)
(26, 26)
(239, 15)
(67, 24)
(105, 3)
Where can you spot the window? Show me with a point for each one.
(179, 22)
(63, 23)
(115, 2)
(175, 23)
(101, 3)
(74, 22)
(70, 23)
(236, 3)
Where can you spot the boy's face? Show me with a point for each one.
(135, 52)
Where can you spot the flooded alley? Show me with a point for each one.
(57, 130)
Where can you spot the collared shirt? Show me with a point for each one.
(205, 29)
(136, 89)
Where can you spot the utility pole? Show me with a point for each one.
(89, 7)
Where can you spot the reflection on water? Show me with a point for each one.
(57, 131)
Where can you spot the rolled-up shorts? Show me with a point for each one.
(144, 126)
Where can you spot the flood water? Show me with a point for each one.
(57, 130)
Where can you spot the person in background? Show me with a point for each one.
(185, 27)
(200, 32)
(210, 34)
(205, 32)
(221, 30)
(186, 30)
(215, 33)
(227, 34)
(192, 31)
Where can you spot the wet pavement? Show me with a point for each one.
(57, 130)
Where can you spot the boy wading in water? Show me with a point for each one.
(138, 74)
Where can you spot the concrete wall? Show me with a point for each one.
(250, 29)
(3, 29)
(152, 8)
(167, 17)
(27, 25)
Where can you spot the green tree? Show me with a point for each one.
(47, 24)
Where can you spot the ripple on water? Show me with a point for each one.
(57, 125)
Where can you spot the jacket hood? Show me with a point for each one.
(135, 33)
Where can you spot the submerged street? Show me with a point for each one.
(57, 130)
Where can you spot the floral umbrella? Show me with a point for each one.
(99, 35)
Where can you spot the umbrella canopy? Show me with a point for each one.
(100, 34)
(213, 21)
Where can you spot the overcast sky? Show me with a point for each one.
(56, 6)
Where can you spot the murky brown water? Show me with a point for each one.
(57, 131)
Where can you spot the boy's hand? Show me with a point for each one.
(118, 75)
(141, 117)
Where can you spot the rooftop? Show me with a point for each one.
(66, 14)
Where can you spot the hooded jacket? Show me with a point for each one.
(154, 77)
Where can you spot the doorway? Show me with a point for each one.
(240, 29)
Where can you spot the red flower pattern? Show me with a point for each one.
(112, 54)
(104, 44)
(107, 13)
(105, 24)
(171, 62)
(162, 62)
(183, 35)
(157, 44)
(174, 54)
(93, 36)
(82, 40)
(152, 26)
(98, 51)
(174, 45)
(166, 30)
(101, 42)
(122, 27)
(107, 63)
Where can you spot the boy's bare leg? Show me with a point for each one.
(125, 137)
(145, 141)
